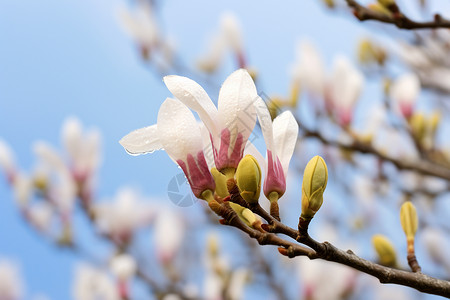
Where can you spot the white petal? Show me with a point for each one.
(194, 96)
(405, 88)
(207, 146)
(266, 123)
(142, 141)
(236, 103)
(178, 130)
(285, 133)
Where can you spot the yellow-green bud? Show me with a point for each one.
(221, 183)
(387, 3)
(385, 250)
(434, 122)
(418, 126)
(315, 180)
(245, 214)
(248, 179)
(409, 220)
(377, 7)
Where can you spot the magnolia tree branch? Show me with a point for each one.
(399, 20)
(424, 167)
(265, 234)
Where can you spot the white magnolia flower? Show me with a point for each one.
(93, 284)
(232, 123)
(40, 215)
(435, 243)
(11, 285)
(308, 70)
(344, 88)
(404, 92)
(83, 149)
(7, 161)
(140, 24)
(123, 266)
(280, 137)
(238, 280)
(124, 215)
(169, 232)
(229, 127)
(23, 188)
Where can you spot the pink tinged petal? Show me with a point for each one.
(142, 141)
(275, 180)
(285, 132)
(237, 112)
(265, 121)
(178, 130)
(223, 158)
(197, 173)
(182, 140)
(194, 96)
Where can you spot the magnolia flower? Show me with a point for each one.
(123, 216)
(7, 161)
(232, 123)
(11, 286)
(83, 149)
(169, 231)
(123, 266)
(280, 137)
(344, 88)
(308, 69)
(229, 36)
(404, 92)
(40, 215)
(93, 284)
(182, 141)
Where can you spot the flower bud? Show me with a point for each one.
(385, 250)
(418, 126)
(248, 179)
(434, 122)
(221, 183)
(315, 180)
(377, 7)
(245, 214)
(408, 219)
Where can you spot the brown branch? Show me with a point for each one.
(423, 166)
(399, 20)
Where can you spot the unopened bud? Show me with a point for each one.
(434, 122)
(221, 183)
(248, 179)
(377, 7)
(418, 126)
(245, 214)
(315, 180)
(385, 250)
(409, 220)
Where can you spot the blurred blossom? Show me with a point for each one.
(436, 244)
(141, 25)
(83, 149)
(40, 215)
(387, 137)
(213, 286)
(308, 70)
(228, 37)
(404, 92)
(123, 266)
(93, 284)
(238, 280)
(7, 161)
(11, 285)
(23, 188)
(343, 89)
(169, 233)
(125, 214)
(324, 280)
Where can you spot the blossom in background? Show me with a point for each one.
(7, 160)
(229, 36)
(308, 70)
(343, 90)
(404, 92)
(93, 284)
(11, 285)
(123, 267)
(280, 137)
(124, 215)
(169, 233)
(232, 123)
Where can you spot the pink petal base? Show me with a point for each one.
(221, 158)
(275, 180)
(197, 173)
